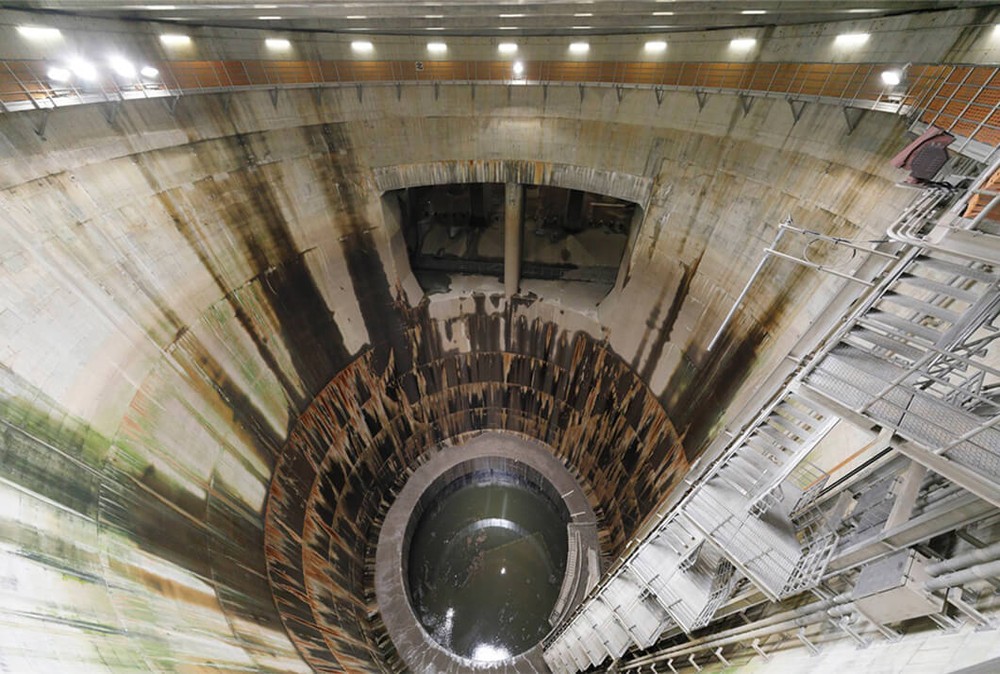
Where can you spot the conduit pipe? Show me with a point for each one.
(781, 622)
(978, 556)
(978, 572)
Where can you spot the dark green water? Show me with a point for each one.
(485, 566)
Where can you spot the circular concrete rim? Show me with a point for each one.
(415, 647)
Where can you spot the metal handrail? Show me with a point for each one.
(931, 91)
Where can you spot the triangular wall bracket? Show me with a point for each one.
(658, 92)
(171, 103)
(852, 116)
(361, 93)
(111, 109)
(797, 108)
(274, 96)
(43, 122)
(620, 92)
(582, 90)
(702, 99)
(746, 102)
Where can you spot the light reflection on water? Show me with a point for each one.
(489, 653)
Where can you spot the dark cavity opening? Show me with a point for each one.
(568, 235)
(487, 549)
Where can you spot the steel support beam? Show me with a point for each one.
(983, 488)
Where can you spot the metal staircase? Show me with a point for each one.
(917, 355)
(922, 360)
(736, 523)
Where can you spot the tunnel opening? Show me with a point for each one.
(566, 234)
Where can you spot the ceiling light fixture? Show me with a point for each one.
(580, 27)
(437, 47)
(355, 17)
(149, 72)
(85, 70)
(518, 68)
(508, 27)
(583, 14)
(123, 67)
(892, 77)
(851, 39)
(268, 18)
(175, 40)
(433, 16)
(507, 48)
(655, 47)
(579, 48)
(742, 43)
(39, 32)
(754, 11)
(362, 46)
(434, 28)
(512, 16)
(277, 43)
(663, 13)
(57, 74)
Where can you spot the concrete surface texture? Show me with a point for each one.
(209, 313)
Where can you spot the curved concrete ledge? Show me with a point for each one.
(414, 646)
(612, 183)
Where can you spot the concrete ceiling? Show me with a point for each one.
(482, 17)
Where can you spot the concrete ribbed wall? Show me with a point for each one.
(177, 290)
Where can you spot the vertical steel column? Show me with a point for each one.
(512, 226)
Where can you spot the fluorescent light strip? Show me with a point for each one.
(851, 39)
(362, 46)
(39, 32)
(579, 48)
(277, 43)
(437, 47)
(655, 47)
(175, 40)
(742, 43)
(507, 48)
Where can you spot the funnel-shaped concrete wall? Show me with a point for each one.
(193, 303)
